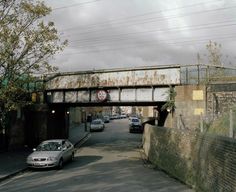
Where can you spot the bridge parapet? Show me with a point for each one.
(116, 78)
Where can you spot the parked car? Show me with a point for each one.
(115, 116)
(133, 116)
(97, 125)
(135, 125)
(106, 119)
(123, 116)
(51, 153)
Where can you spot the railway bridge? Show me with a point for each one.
(202, 91)
(132, 86)
(196, 88)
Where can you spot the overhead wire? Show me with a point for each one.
(150, 20)
(111, 21)
(101, 38)
(75, 5)
(166, 42)
(127, 42)
(154, 44)
(98, 41)
(201, 26)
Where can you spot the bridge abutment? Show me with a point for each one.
(190, 102)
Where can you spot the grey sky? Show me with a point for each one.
(106, 34)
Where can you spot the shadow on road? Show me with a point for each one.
(123, 175)
(81, 161)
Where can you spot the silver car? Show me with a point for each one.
(97, 125)
(51, 153)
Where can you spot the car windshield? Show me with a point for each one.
(135, 120)
(49, 146)
(96, 122)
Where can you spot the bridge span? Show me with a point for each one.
(133, 86)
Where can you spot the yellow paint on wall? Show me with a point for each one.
(198, 111)
(197, 95)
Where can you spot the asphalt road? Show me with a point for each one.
(109, 161)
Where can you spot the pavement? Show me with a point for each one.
(14, 162)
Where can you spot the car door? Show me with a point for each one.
(65, 153)
(69, 150)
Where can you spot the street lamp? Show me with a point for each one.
(168, 110)
(85, 119)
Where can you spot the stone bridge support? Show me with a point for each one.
(190, 103)
(198, 103)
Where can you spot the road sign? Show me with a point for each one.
(102, 95)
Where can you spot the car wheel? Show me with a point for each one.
(60, 164)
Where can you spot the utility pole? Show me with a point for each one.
(231, 125)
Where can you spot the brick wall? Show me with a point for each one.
(205, 162)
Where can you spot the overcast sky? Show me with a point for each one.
(105, 34)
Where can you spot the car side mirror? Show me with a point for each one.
(64, 148)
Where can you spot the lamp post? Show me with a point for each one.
(170, 110)
(67, 117)
(86, 128)
(84, 114)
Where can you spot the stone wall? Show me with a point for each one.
(190, 105)
(194, 102)
(205, 162)
(36, 117)
(220, 97)
(16, 132)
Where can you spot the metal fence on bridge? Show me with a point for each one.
(189, 74)
(205, 74)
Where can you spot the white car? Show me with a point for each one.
(135, 125)
(106, 119)
(123, 116)
(97, 125)
(51, 153)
